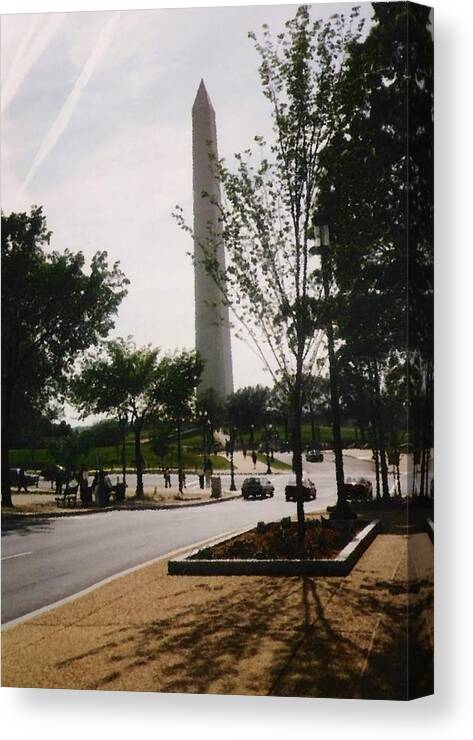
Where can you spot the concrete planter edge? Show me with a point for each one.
(339, 566)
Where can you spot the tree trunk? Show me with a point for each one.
(334, 385)
(124, 453)
(138, 460)
(297, 450)
(376, 467)
(380, 429)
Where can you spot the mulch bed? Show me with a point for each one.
(279, 540)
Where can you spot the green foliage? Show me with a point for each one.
(53, 308)
(180, 375)
(248, 407)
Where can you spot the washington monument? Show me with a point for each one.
(212, 327)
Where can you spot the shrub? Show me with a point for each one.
(286, 522)
(261, 528)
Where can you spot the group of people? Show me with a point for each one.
(98, 493)
(167, 478)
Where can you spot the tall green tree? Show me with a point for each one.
(247, 409)
(377, 193)
(266, 222)
(180, 376)
(122, 381)
(53, 308)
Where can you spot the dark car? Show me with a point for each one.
(54, 473)
(31, 479)
(257, 488)
(309, 491)
(359, 489)
(314, 456)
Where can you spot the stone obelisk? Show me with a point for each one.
(212, 326)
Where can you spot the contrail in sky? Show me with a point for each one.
(41, 30)
(61, 122)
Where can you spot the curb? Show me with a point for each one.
(105, 509)
(339, 566)
(83, 592)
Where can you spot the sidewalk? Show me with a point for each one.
(34, 504)
(331, 637)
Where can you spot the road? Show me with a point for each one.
(45, 560)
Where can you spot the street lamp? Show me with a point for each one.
(252, 438)
(232, 468)
(268, 462)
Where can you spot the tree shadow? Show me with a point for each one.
(25, 525)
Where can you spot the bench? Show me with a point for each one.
(68, 498)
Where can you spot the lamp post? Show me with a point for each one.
(232, 467)
(322, 236)
(252, 437)
(122, 420)
(268, 462)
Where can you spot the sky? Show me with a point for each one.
(96, 128)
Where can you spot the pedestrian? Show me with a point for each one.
(201, 480)
(59, 481)
(84, 486)
(22, 481)
(254, 458)
(244, 452)
(95, 488)
(167, 478)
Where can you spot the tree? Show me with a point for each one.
(161, 442)
(124, 380)
(53, 309)
(377, 191)
(247, 409)
(272, 283)
(70, 450)
(210, 411)
(180, 376)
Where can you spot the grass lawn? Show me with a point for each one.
(275, 464)
(110, 457)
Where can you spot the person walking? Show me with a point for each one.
(167, 478)
(254, 457)
(22, 481)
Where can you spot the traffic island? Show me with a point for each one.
(217, 560)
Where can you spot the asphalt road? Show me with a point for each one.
(46, 560)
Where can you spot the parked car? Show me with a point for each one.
(358, 489)
(31, 478)
(314, 456)
(309, 491)
(54, 473)
(257, 488)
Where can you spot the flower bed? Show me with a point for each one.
(280, 540)
(333, 552)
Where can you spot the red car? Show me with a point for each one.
(309, 491)
(360, 489)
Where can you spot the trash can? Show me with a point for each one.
(216, 486)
